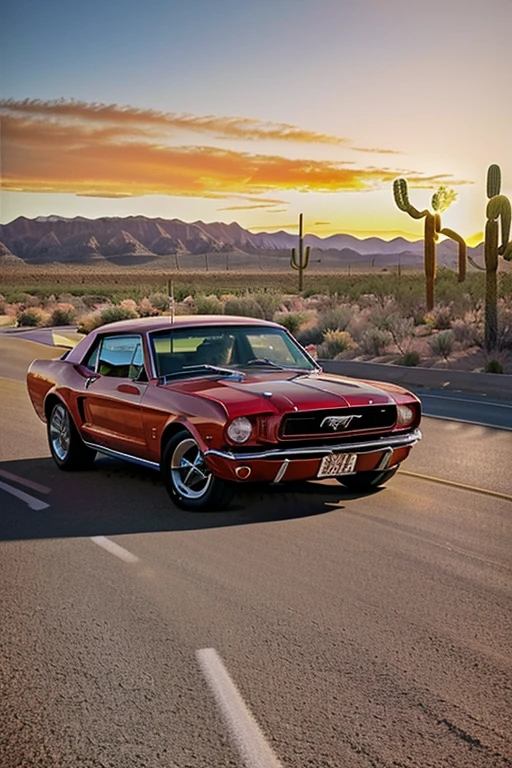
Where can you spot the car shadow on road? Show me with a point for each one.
(117, 498)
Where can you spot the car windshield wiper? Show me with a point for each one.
(264, 361)
(204, 369)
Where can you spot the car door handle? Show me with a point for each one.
(128, 389)
(90, 380)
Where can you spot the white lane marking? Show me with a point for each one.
(115, 549)
(466, 421)
(24, 481)
(32, 502)
(249, 739)
(491, 404)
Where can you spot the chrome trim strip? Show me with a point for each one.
(383, 463)
(124, 456)
(383, 444)
(280, 472)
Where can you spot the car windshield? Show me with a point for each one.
(236, 347)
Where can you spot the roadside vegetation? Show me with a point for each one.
(381, 317)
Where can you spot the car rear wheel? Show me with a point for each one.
(66, 445)
(188, 480)
(365, 481)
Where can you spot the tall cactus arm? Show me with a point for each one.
(401, 195)
(507, 253)
(499, 207)
(296, 263)
(493, 180)
(437, 226)
(462, 250)
(474, 264)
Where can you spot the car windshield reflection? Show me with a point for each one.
(180, 350)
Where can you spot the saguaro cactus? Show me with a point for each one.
(300, 261)
(498, 208)
(440, 202)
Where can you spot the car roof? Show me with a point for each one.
(149, 324)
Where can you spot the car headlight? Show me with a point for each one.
(406, 415)
(240, 430)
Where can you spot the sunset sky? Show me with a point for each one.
(254, 111)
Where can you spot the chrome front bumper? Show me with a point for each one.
(379, 444)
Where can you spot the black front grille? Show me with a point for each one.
(339, 421)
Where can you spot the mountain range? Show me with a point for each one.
(54, 239)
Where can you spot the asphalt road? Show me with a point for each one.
(306, 626)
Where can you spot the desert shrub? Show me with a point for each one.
(493, 366)
(335, 319)
(3, 304)
(269, 301)
(504, 327)
(89, 322)
(146, 308)
(208, 305)
(359, 323)
(62, 314)
(467, 333)
(291, 320)
(440, 318)
(30, 318)
(374, 341)
(334, 343)
(442, 344)
(310, 335)
(32, 301)
(245, 306)
(411, 358)
(381, 312)
(160, 301)
(130, 305)
(113, 314)
(399, 328)
(93, 299)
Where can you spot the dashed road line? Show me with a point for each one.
(115, 549)
(454, 484)
(246, 733)
(23, 481)
(31, 501)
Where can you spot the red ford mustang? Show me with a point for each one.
(212, 401)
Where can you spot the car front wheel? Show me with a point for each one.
(188, 480)
(365, 481)
(66, 445)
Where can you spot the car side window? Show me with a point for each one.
(121, 357)
(91, 359)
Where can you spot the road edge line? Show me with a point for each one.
(114, 549)
(247, 734)
(455, 484)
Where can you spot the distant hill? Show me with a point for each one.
(138, 240)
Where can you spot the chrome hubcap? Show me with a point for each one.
(60, 432)
(190, 476)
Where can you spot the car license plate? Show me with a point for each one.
(337, 464)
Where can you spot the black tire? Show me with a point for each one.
(366, 481)
(66, 446)
(189, 483)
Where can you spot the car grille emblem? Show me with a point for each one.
(338, 422)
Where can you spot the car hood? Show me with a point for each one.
(283, 391)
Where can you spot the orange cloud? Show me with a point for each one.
(377, 151)
(226, 127)
(106, 158)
